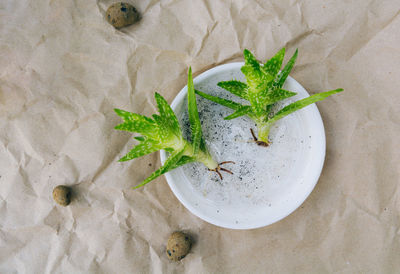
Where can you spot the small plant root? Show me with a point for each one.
(260, 143)
(219, 168)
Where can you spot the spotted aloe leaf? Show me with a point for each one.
(145, 147)
(276, 95)
(167, 116)
(252, 70)
(134, 122)
(235, 87)
(273, 65)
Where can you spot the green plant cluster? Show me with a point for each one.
(263, 89)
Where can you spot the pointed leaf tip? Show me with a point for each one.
(118, 111)
(281, 51)
(247, 54)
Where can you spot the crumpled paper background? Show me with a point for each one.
(63, 70)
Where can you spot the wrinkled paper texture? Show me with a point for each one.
(64, 69)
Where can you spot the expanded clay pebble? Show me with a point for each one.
(121, 15)
(62, 195)
(178, 246)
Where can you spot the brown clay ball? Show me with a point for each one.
(178, 246)
(121, 15)
(62, 195)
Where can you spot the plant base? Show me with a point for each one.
(258, 142)
(219, 168)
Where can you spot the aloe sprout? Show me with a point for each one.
(263, 89)
(163, 132)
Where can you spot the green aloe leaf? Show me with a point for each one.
(235, 87)
(257, 82)
(221, 101)
(137, 123)
(167, 116)
(256, 97)
(164, 133)
(301, 104)
(194, 120)
(244, 110)
(250, 60)
(145, 147)
(281, 78)
(130, 116)
(169, 164)
(183, 161)
(140, 138)
(273, 65)
(251, 70)
(277, 95)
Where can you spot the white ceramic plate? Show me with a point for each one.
(274, 181)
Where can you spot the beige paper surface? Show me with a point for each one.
(63, 69)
